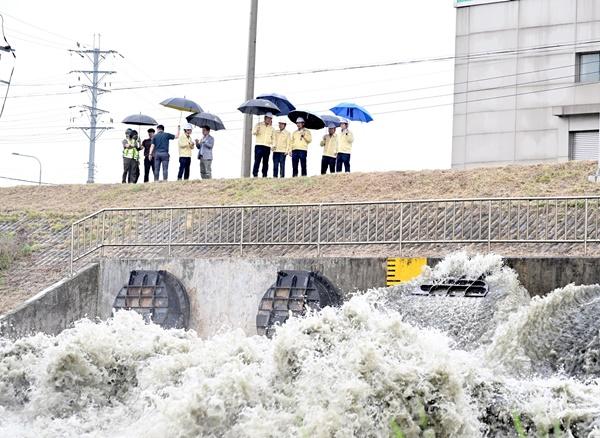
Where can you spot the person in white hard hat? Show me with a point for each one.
(330, 146)
(345, 140)
(281, 148)
(299, 145)
(263, 132)
(186, 146)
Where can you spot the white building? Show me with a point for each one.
(527, 81)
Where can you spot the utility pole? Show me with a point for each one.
(95, 77)
(250, 71)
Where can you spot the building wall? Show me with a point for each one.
(505, 104)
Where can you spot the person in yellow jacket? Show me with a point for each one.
(262, 147)
(345, 140)
(330, 148)
(281, 149)
(186, 146)
(299, 146)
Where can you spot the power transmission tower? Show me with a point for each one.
(95, 77)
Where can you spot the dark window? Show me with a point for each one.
(588, 67)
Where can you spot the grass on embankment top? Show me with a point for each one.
(538, 180)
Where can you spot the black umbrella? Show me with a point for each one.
(259, 107)
(139, 120)
(206, 119)
(311, 120)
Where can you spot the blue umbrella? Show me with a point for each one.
(328, 119)
(352, 111)
(282, 102)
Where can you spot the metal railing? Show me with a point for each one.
(572, 220)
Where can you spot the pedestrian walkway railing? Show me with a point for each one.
(487, 221)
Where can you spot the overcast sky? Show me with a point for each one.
(198, 42)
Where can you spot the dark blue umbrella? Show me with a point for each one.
(259, 107)
(328, 119)
(282, 102)
(352, 111)
(311, 121)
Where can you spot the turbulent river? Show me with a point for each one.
(386, 363)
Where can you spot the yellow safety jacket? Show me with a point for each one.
(301, 139)
(330, 145)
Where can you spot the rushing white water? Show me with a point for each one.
(367, 369)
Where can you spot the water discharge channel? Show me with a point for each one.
(385, 363)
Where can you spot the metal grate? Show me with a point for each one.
(452, 287)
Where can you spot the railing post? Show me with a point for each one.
(170, 230)
(401, 227)
(72, 247)
(585, 229)
(319, 231)
(490, 226)
(102, 234)
(242, 234)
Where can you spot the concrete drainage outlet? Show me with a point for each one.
(295, 292)
(158, 296)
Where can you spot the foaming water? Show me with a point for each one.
(367, 369)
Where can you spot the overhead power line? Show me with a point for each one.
(475, 56)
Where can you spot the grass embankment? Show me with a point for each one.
(12, 248)
(76, 200)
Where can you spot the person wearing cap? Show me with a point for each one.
(281, 149)
(186, 146)
(131, 148)
(330, 146)
(263, 132)
(205, 154)
(345, 140)
(148, 163)
(301, 138)
(159, 151)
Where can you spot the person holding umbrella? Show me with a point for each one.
(301, 138)
(281, 149)
(186, 146)
(148, 163)
(159, 151)
(205, 154)
(263, 132)
(346, 138)
(330, 147)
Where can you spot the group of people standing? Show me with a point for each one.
(156, 153)
(336, 147)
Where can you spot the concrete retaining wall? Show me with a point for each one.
(55, 308)
(226, 292)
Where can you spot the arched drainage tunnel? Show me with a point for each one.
(295, 292)
(158, 296)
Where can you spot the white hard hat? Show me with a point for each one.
(269, 115)
(188, 126)
(331, 126)
(299, 120)
(342, 120)
(282, 120)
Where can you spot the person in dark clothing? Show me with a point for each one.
(148, 163)
(159, 151)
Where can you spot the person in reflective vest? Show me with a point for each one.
(131, 156)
